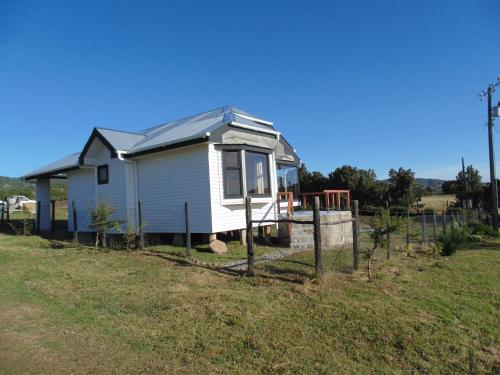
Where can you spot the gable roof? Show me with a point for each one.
(175, 133)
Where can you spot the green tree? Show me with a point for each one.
(449, 187)
(362, 183)
(403, 189)
(311, 181)
(469, 188)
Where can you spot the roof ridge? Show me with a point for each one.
(119, 131)
(183, 119)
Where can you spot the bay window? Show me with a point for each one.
(288, 179)
(255, 169)
(257, 174)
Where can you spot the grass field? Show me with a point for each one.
(438, 202)
(76, 310)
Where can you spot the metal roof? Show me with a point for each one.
(59, 166)
(170, 133)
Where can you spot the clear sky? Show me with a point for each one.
(374, 84)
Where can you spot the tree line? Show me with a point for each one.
(400, 189)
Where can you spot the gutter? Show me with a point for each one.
(133, 163)
(199, 138)
(252, 128)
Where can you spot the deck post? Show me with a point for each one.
(250, 252)
(43, 195)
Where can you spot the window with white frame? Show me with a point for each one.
(257, 174)
(233, 184)
(255, 169)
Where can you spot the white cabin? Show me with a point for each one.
(212, 160)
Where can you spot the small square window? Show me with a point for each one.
(102, 174)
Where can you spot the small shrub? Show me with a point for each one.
(450, 241)
(101, 221)
(130, 235)
(484, 230)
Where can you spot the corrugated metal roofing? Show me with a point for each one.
(169, 133)
(70, 161)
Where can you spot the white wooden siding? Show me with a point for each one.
(81, 190)
(168, 179)
(229, 214)
(114, 192)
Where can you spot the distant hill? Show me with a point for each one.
(16, 186)
(434, 183)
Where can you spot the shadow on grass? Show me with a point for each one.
(272, 273)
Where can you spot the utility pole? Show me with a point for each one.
(493, 181)
(465, 180)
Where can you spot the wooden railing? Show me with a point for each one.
(332, 198)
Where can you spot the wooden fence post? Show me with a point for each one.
(188, 229)
(423, 227)
(38, 213)
(434, 225)
(3, 215)
(75, 223)
(388, 230)
(317, 237)
(250, 253)
(53, 217)
(141, 226)
(8, 210)
(408, 228)
(355, 237)
(444, 221)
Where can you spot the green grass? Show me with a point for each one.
(76, 310)
(202, 253)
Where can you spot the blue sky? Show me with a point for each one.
(374, 84)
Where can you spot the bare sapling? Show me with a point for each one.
(101, 220)
(381, 227)
(130, 235)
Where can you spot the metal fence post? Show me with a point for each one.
(188, 229)
(317, 237)
(75, 224)
(250, 253)
(355, 237)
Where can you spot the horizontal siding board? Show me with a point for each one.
(167, 180)
(81, 190)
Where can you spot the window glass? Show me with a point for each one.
(288, 179)
(102, 174)
(232, 173)
(257, 173)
